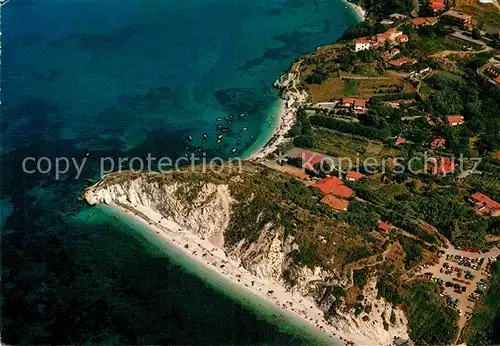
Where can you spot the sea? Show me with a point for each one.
(93, 86)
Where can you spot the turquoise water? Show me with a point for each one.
(93, 79)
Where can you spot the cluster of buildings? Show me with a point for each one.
(335, 193)
(393, 36)
(484, 205)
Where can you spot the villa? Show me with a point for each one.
(455, 120)
(484, 205)
(356, 104)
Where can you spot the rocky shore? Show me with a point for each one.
(292, 98)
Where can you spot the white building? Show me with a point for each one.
(362, 45)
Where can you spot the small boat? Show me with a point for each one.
(204, 136)
(251, 136)
(230, 116)
(220, 136)
(233, 150)
(190, 137)
(203, 141)
(229, 122)
(185, 154)
(224, 129)
(186, 147)
(244, 129)
(242, 115)
(219, 126)
(219, 140)
(238, 143)
(199, 150)
(219, 119)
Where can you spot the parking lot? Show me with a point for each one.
(461, 275)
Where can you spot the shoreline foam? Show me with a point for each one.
(360, 12)
(215, 261)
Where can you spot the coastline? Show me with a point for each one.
(291, 98)
(358, 10)
(213, 260)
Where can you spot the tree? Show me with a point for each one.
(476, 34)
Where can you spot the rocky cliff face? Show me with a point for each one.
(207, 207)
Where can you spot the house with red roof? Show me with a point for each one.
(390, 35)
(385, 227)
(484, 205)
(438, 143)
(335, 203)
(437, 6)
(422, 21)
(455, 120)
(399, 141)
(390, 54)
(402, 38)
(362, 44)
(356, 104)
(402, 61)
(333, 186)
(441, 166)
(354, 176)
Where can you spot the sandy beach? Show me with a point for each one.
(360, 12)
(215, 260)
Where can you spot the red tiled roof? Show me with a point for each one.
(310, 158)
(455, 119)
(327, 184)
(402, 61)
(362, 40)
(335, 186)
(387, 34)
(384, 226)
(400, 140)
(355, 175)
(485, 205)
(437, 6)
(443, 166)
(401, 38)
(437, 1)
(334, 202)
(424, 20)
(438, 142)
(354, 101)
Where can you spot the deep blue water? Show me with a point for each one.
(91, 79)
